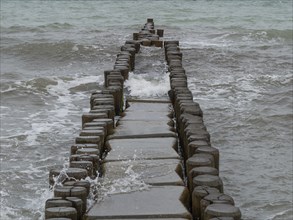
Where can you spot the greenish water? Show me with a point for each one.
(238, 57)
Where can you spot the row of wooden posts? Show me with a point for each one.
(201, 160)
(70, 185)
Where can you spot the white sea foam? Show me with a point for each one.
(131, 182)
(50, 114)
(56, 117)
(219, 43)
(140, 85)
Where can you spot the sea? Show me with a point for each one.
(238, 58)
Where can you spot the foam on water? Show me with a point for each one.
(142, 86)
(48, 129)
(103, 187)
(238, 57)
(244, 109)
(131, 182)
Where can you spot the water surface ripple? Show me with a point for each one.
(238, 58)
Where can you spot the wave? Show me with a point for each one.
(237, 37)
(19, 28)
(37, 29)
(17, 88)
(57, 51)
(259, 35)
(55, 86)
(282, 79)
(271, 35)
(56, 26)
(155, 87)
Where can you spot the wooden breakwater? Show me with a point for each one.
(164, 142)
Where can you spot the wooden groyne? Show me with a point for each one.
(164, 142)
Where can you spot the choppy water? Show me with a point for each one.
(238, 57)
